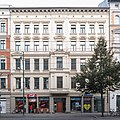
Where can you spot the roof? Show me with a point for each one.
(113, 0)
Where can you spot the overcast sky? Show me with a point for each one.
(52, 3)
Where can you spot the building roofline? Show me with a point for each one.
(59, 8)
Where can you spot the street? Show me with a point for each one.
(58, 116)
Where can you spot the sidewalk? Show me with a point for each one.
(15, 115)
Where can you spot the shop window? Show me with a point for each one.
(19, 104)
(44, 104)
(75, 103)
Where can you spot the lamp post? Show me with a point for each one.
(23, 82)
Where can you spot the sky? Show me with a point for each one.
(51, 3)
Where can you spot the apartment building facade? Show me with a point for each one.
(115, 40)
(54, 44)
(4, 59)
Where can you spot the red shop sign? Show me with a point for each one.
(31, 95)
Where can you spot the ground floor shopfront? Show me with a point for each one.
(34, 103)
(5, 104)
(115, 100)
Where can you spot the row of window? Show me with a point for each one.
(59, 64)
(45, 83)
(59, 29)
(59, 46)
(45, 64)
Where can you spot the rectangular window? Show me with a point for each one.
(45, 64)
(92, 45)
(36, 83)
(27, 64)
(117, 37)
(2, 64)
(17, 45)
(59, 62)
(18, 83)
(59, 29)
(2, 44)
(18, 64)
(17, 29)
(59, 82)
(27, 83)
(73, 64)
(101, 28)
(27, 45)
(45, 29)
(59, 45)
(3, 27)
(45, 83)
(36, 29)
(82, 46)
(82, 64)
(73, 45)
(73, 83)
(45, 45)
(36, 45)
(91, 29)
(3, 83)
(27, 29)
(82, 28)
(73, 28)
(36, 64)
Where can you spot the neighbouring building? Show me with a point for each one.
(115, 43)
(54, 44)
(5, 59)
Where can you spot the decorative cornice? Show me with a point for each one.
(73, 38)
(17, 38)
(26, 37)
(58, 9)
(35, 37)
(92, 38)
(82, 38)
(59, 37)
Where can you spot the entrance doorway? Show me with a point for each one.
(59, 104)
(32, 106)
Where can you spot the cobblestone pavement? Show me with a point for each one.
(58, 116)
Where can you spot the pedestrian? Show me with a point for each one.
(30, 108)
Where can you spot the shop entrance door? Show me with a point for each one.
(59, 106)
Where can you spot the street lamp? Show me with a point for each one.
(23, 80)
